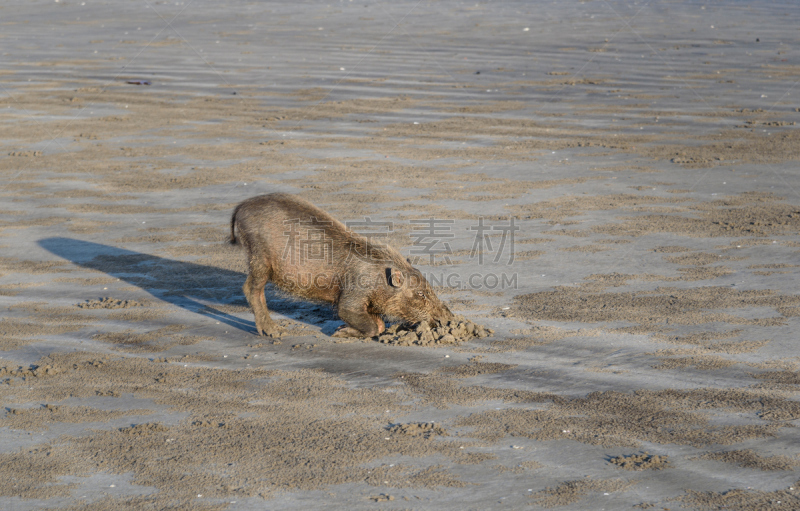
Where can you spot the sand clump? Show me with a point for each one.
(383, 497)
(644, 461)
(456, 331)
(108, 303)
(47, 366)
(426, 430)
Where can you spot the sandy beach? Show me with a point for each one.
(611, 187)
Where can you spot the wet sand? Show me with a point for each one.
(644, 352)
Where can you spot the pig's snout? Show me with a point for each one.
(440, 314)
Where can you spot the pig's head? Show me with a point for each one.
(413, 299)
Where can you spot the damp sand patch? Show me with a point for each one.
(42, 417)
(570, 492)
(787, 499)
(748, 458)
(160, 339)
(476, 367)
(308, 429)
(628, 419)
(653, 309)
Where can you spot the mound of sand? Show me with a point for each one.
(456, 331)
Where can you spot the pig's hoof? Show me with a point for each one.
(270, 331)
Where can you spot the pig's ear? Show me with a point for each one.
(395, 277)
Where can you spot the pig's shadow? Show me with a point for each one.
(183, 283)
